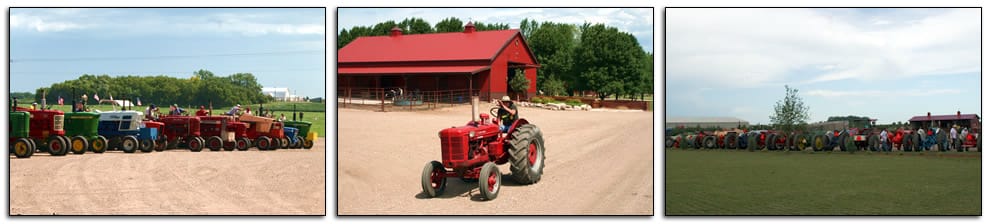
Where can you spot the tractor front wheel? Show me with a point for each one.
(195, 144)
(263, 143)
(147, 145)
(129, 144)
(731, 140)
(215, 143)
(23, 148)
(709, 142)
(57, 146)
(309, 144)
(242, 144)
(526, 147)
(489, 181)
(98, 145)
(299, 142)
(79, 145)
(432, 179)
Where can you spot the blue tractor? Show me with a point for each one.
(292, 142)
(125, 131)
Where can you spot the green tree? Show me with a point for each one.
(450, 24)
(607, 60)
(415, 26)
(790, 113)
(519, 83)
(553, 87)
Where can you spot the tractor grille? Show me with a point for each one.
(454, 148)
(59, 122)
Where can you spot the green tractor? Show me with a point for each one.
(82, 127)
(22, 145)
(303, 130)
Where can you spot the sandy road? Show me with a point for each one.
(596, 163)
(174, 182)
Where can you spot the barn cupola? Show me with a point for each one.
(396, 31)
(469, 28)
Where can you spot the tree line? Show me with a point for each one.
(574, 58)
(202, 88)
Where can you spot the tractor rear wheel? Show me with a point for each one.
(242, 144)
(489, 181)
(526, 147)
(215, 143)
(432, 180)
(770, 141)
(23, 148)
(817, 143)
(57, 146)
(196, 144)
(799, 142)
(916, 142)
(263, 143)
(68, 143)
(847, 144)
(147, 145)
(874, 142)
(731, 139)
(99, 145)
(709, 142)
(129, 144)
(827, 143)
(79, 145)
(752, 141)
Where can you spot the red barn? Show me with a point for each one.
(479, 62)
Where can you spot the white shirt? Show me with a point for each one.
(953, 133)
(883, 136)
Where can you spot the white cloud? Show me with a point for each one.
(147, 21)
(40, 24)
(880, 93)
(757, 47)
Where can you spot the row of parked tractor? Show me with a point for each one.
(852, 139)
(57, 132)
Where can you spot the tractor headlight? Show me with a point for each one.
(472, 134)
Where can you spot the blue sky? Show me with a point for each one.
(888, 64)
(637, 21)
(282, 47)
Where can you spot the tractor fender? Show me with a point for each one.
(516, 124)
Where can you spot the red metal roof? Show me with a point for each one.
(456, 46)
(412, 70)
(945, 117)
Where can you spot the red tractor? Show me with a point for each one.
(472, 151)
(224, 132)
(183, 131)
(47, 128)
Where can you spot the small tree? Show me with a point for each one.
(519, 83)
(790, 113)
(553, 87)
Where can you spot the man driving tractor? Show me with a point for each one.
(507, 113)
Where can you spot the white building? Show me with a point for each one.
(280, 94)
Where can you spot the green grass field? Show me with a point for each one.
(716, 182)
(314, 112)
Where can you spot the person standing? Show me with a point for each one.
(953, 136)
(962, 136)
(883, 140)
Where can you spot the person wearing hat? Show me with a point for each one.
(175, 110)
(151, 112)
(202, 111)
(234, 111)
(507, 113)
(34, 106)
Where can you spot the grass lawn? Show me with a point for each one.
(716, 182)
(314, 112)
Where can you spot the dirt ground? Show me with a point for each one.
(173, 182)
(596, 163)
